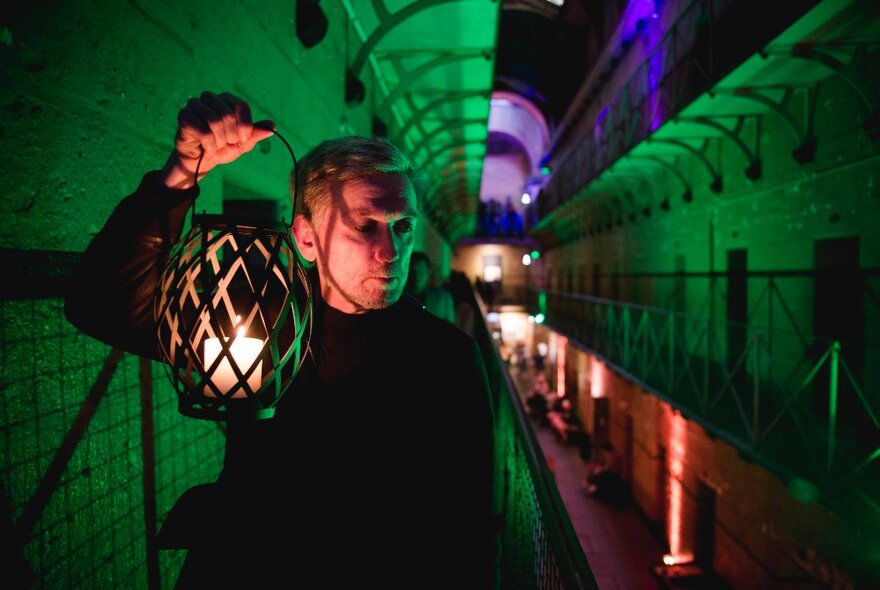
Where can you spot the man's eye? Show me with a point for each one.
(403, 226)
(365, 228)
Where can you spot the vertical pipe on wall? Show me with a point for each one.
(148, 451)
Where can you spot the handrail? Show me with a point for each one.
(801, 411)
(549, 554)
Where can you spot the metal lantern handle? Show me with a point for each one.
(289, 150)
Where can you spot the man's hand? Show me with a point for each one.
(219, 124)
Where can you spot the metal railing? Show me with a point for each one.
(801, 406)
(67, 398)
(539, 547)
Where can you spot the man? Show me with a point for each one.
(436, 300)
(376, 470)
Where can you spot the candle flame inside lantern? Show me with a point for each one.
(244, 351)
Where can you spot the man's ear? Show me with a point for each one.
(304, 235)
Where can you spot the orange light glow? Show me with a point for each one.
(677, 450)
(597, 378)
(561, 342)
(670, 559)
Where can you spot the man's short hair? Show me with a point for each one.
(339, 160)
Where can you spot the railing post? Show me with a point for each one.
(707, 367)
(671, 345)
(832, 401)
(613, 316)
(756, 394)
(770, 290)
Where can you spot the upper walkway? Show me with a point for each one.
(618, 541)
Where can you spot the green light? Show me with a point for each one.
(802, 490)
(539, 318)
(535, 254)
(545, 170)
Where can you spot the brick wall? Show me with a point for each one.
(765, 536)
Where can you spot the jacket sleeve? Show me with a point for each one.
(111, 294)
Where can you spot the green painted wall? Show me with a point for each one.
(778, 220)
(88, 103)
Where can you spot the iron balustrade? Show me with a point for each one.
(539, 547)
(84, 510)
(803, 406)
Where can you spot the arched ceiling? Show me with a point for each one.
(427, 66)
(428, 69)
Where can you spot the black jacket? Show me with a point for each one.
(376, 470)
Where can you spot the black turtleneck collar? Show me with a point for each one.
(340, 341)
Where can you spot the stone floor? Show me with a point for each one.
(617, 540)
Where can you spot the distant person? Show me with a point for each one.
(463, 299)
(540, 356)
(494, 213)
(511, 220)
(437, 300)
(539, 399)
(567, 424)
(564, 420)
(522, 356)
(488, 290)
(604, 481)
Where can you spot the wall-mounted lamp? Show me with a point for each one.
(234, 314)
(355, 91)
(311, 22)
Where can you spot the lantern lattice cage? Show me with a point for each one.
(234, 317)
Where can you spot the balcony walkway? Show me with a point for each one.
(617, 541)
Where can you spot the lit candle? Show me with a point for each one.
(244, 352)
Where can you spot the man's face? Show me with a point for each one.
(362, 242)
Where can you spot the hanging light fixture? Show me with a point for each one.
(234, 314)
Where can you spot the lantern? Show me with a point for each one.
(233, 315)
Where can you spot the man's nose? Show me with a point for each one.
(386, 247)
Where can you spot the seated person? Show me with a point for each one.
(563, 419)
(539, 399)
(604, 480)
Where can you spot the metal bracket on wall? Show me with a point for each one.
(753, 171)
(455, 96)
(859, 67)
(407, 78)
(387, 22)
(455, 128)
(807, 140)
(688, 195)
(717, 184)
